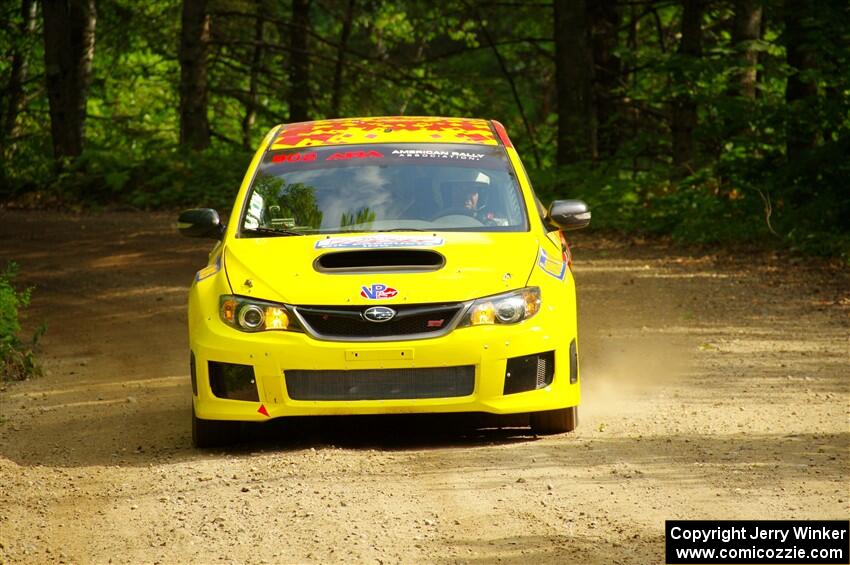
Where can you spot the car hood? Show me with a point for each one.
(282, 269)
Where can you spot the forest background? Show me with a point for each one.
(712, 121)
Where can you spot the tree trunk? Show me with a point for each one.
(746, 30)
(336, 92)
(761, 56)
(18, 73)
(633, 111)
(299, 69)
(800, 91)
(68, 52)
(194, 47)
(573, 78)
(253, 80)
(684, 115)
(605, 26)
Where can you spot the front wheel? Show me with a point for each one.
(554, 421)
(213, 433)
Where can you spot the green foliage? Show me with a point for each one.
(467, 58)
(10, 301)
(162, 177)
(17, 361)
(743, 184)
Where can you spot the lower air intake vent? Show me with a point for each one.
(381, 384)
(529, 372)
(236, 382)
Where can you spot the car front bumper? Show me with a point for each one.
(483, 349)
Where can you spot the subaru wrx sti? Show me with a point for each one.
(384, 266)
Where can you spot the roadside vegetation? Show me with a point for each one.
(712, 121)
(17, 360)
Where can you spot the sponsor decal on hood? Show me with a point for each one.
(379, 242)
(377, 292)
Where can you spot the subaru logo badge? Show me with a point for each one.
(379, 314)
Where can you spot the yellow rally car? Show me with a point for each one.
(384, 265)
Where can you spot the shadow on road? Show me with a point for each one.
(155, 428)
(747, 460)
(391, 432)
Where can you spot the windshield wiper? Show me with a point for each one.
(272, 232)
(402, 229)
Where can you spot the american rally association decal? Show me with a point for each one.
(553, 266)
(379, 242)
(438, 154)
(377, 292)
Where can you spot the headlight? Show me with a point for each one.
(254, 315)
(508, 308)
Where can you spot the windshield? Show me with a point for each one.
(384, 187)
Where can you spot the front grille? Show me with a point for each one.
(529, 372)
(381, 384)
(347, 322)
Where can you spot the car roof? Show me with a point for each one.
(391, 129)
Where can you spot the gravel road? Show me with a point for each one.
(716, 386)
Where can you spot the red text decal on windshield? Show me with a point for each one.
(294, 158)
(355, 155)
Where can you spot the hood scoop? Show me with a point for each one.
(380, 261)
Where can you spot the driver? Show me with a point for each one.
(465, 196)
(470, 198)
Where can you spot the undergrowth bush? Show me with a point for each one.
(156, 177)
(748, 192)
(17, 359)
(805, 207)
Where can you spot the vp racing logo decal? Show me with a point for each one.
(377, 292)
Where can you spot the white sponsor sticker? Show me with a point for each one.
(379, 242)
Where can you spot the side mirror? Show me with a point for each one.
(568, 214)
(200, 222)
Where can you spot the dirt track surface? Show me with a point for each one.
(715, 386)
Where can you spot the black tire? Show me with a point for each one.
(213, 433)
(554, 421)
